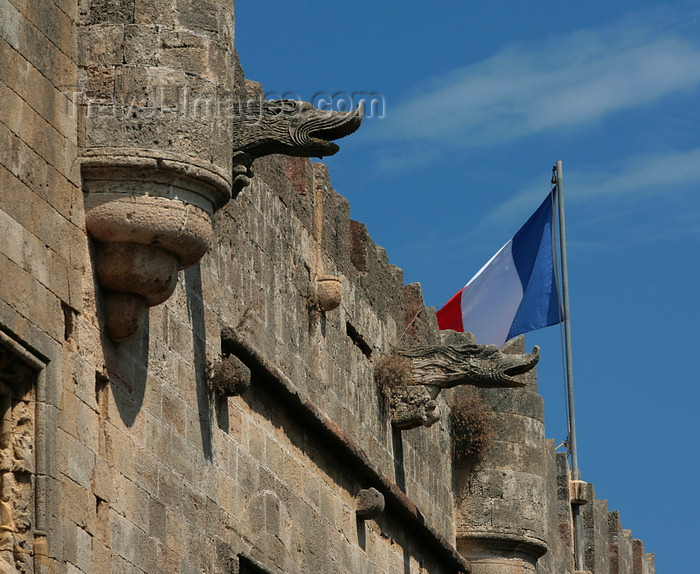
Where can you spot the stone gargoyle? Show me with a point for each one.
(289, 127)
(413, 377)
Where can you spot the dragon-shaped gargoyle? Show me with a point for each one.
(415, 376)
(289, 127)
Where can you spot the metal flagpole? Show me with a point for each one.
(567, 326)
(573, 451)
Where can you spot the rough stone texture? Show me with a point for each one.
(154, 99)
(413, 406)
(422, 371)
(290, 127)
(119, 457)
(17, 461)
(370, 503)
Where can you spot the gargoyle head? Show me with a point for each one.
(490, 367)
(291, 127)
(485, 366)
(312, 130)
(413, 377)
(288, 127)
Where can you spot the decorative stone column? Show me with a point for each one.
(501, 502)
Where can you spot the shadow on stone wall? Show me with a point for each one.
(195, 307)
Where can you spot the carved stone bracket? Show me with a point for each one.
(413, 406)
(150, 212)
(150, 217)
(370, 503)
(422, 371)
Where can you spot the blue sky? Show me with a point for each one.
(480, 100)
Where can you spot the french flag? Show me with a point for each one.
(515, 292)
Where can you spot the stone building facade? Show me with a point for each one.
(191, 328)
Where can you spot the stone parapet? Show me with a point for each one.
(608, 548)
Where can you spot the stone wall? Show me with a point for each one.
(504, 498)
(123, 453)
(164, 476)
(43, 256)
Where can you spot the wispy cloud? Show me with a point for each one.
(662, 186)
(564, 81)
(641, 177)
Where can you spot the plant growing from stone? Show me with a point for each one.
(472, 426)
(228, 377)
(393, 371)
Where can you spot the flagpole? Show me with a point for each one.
(573, 450)
(567, 326)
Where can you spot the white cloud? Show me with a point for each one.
(660, 173)
(565, 81)
(640, 178)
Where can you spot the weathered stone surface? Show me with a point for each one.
(436, 367)
(483, 366)
(370, 503)
(17, 459)
(291, 127)
(413, 406)
(149, 222)
(329, 292)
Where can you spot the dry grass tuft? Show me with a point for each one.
(228, 377)
(472, 426)
(393, 371)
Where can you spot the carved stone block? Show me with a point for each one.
(370, 503)
(288, 127)
(150, 217)
(412, 407)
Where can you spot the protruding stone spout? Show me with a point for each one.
(291, 127)
(484, 366)
(288, 127)
(417, 374)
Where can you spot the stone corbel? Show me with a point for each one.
(413, 406)
(149, 216)
(150, 212)
(370, 503)
(420, 372)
